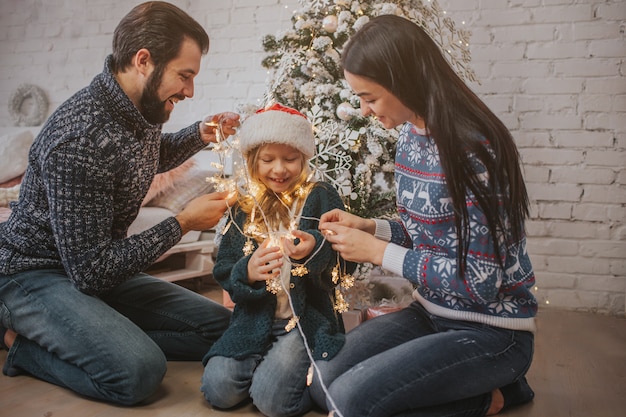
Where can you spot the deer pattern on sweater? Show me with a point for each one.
(427, 218)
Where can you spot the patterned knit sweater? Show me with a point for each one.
(89, 169)
(424, 246)
(312, 294)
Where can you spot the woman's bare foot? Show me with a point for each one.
(9, 338)
(497, 402)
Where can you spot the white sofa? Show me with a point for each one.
(193, 256)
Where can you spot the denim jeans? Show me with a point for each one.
(112, 348)
(411, 363)
(276, 382)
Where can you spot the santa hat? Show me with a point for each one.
(277, 124)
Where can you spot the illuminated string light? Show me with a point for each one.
(241, 182)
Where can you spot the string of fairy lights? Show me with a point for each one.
(240, 182)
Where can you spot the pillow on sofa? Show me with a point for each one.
(8, 194)
(4, 214)
(14, 154)
(164, 181)
(193, 184)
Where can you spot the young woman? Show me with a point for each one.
(278, 269)
(463, 346)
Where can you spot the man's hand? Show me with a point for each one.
(204, 212)
(225, 123)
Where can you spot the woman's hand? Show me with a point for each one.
(265, 262)
(343, 218)
(224, 122)
(353, 244)
(303, 248)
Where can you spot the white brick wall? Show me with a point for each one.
(61, 44)
(553, 70)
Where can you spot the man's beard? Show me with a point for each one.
(152, 107)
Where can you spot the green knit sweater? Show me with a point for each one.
(312, 295)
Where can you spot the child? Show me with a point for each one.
(279, 271)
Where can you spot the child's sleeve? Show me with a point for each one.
(231, 265)
(323, 258)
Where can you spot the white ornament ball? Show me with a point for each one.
(345, 111)
(330, 23)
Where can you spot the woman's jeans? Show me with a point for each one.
(276, 382)
(411, 363)
(112, 348)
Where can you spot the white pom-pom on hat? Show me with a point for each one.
(277, 124)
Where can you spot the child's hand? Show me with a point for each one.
(303, 248)
(265, 262)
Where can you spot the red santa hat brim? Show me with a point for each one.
(277, 124)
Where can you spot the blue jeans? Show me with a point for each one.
(276, 382)
(112, 348)
(411, 363)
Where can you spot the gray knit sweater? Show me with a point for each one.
(89, 169)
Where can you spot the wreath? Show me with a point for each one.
(28, 115)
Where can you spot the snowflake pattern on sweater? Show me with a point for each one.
(486, 293)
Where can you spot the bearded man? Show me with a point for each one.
(75, 308)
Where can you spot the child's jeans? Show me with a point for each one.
(276, 382)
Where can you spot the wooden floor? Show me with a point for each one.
(579, 370)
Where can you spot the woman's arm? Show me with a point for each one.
(322, 201)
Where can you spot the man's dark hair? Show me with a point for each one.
(159, 27)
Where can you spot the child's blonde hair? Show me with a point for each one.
(275, 125)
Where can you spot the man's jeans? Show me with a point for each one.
(111, 348)
(411, 363)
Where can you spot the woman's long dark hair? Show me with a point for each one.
(400, 56)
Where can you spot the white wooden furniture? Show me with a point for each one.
(186, 260)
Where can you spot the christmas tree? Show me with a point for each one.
(355, 154)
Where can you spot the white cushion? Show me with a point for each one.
(150, 216)
(14, 154)
(9, 194)
(193, 184)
